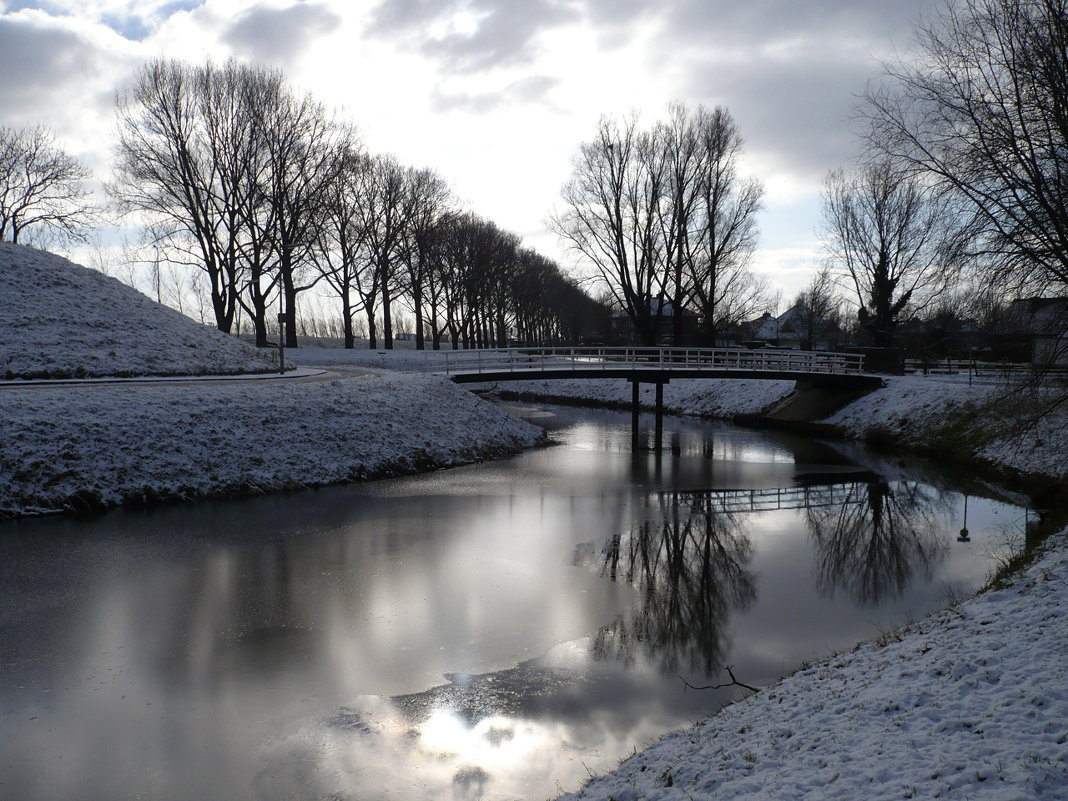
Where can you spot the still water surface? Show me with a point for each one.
(495, 631)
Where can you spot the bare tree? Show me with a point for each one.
(984, 111)
(819, 309)
(228, 167)
(430, 199)
(302, 156)
(725, 290)
(681, 140)
(170, 169)
(665, 216)
(385, 208)
(614, 219)
(41, 186)
(342, 236)
(895, 240)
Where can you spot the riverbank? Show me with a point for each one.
(95, 447)
(969, 703)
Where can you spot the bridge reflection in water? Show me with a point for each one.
(688, 553)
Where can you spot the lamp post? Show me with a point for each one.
(281, 334)
(963, 536)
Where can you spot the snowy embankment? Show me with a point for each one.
(100, 446)
(970, 703)
(62, 320)
(90, 446)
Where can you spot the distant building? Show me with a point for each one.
(1044, 322)
(622, 327)
(796, 328)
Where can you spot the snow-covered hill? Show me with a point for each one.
(61, 320)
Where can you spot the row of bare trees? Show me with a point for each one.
(238, 175)
(668, 221)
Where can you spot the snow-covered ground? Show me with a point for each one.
(76, 448)
(970, 703)
(62, 320)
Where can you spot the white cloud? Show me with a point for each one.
(495, 94)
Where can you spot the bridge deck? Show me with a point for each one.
(657, 365)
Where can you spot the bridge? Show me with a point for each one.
(656, 365)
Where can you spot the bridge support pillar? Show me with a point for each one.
(635, 411)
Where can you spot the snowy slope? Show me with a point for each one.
(75, 448)
(61, 320)
(971, 703)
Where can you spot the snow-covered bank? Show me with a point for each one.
(989, 423)
(105, 445)
(62, 320)
(970, 703)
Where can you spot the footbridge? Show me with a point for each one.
(658, 366)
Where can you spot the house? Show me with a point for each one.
(796, 328)
(621, 327)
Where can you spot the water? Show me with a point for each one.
(495, 631)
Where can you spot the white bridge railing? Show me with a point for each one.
(774, 499)
(522, 360)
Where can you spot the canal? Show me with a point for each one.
(495, 631)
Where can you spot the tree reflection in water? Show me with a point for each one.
(689, 560)
(876, 538)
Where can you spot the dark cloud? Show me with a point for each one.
(529, 90)
(797, 116)
(39, 65)
(741, 23)
(505, 31)
(790, 73)
(276, 36)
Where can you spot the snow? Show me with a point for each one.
(99, 445)
(972, 702)
(106, 445)
(62, 320)
(920, 410)
(969, 703)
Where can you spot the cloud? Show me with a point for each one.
(59, 72)
(533, 89)
(131, 19)
(473, 35)
(769, 20)
(794, 108)
(278, 35)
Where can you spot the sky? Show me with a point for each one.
(497, 95)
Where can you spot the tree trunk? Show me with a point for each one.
(417, 302)
(346, 311)
(372, 332)
(387, 314)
